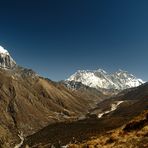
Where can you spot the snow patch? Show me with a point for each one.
(113, 108)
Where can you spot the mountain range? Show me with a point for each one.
(38, 112)
(101, 79)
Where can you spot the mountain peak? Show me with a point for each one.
(6, 61)
(3, 50)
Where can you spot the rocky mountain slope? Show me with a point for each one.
(74, 85)
(132, 103)
(29, 103)
(100, 79)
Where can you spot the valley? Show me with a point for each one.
(38, 112)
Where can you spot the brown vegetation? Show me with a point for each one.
(29, 103)
(129, 135)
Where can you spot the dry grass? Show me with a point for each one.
(120, 138)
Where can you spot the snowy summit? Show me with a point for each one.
(3, 51)
(101, 79)
(6, 61)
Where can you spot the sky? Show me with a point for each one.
(58, 37)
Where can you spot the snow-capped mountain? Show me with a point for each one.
(6, 61)
(101, 79)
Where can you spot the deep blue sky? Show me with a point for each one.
(58, 37)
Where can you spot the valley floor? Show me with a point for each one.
(133, 133)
